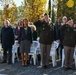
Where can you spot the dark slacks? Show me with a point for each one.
(69, 52)
(59, 51)
(7, 55)
(45, 52)
(19, 54)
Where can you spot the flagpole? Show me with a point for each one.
(49, 8)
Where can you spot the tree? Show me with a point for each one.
(34, 9)
(9, 11)
(64, 10)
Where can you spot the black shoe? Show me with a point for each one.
(9, 63)
(66, 68)
(44, 67)
(23, 65)
(3, 62)
(28, 62)
(47, 66)
(72, 68)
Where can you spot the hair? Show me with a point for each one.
(6, 21)
(15, 24)
(24, 20)
(30, 23)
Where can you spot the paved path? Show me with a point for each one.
(17, 69)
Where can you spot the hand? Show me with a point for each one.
(16, 37)
(30, 44)
(59, 41)
(19, 45)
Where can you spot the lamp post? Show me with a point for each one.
(49, 8)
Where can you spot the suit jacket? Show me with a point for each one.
(24, 36)
(46, 34)
(69, 36)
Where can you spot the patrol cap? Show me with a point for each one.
(45, 14)
(64, 17)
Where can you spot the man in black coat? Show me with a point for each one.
(46, 39)
(7, 40)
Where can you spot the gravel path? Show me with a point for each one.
(17, 69)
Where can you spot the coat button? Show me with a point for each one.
(71, 37)
(47, 33)
(43, 28)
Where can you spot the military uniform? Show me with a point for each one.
(46, 39)
(69, 43)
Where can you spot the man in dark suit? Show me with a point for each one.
(7, 40)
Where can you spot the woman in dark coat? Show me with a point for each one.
(25, 41)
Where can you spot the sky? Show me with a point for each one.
(18, 2)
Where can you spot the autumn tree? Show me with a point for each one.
(64, 10)
(9, 11)
(34, 9)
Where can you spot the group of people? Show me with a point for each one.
(21, 32)
(64, 31)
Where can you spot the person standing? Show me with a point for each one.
(34, 33)
(69, 43)
(57, 35)
(15, 30)
(46, 39)
(25, 41)
(7, 40)
(61, 35)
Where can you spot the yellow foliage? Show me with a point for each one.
(70, 3)
(9, 13)
(34, 9)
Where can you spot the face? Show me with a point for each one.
(6, 24)
(15, 25)
(64, 20)
(25, 23)
(70, 23)
(46, 18)
(59, 20)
